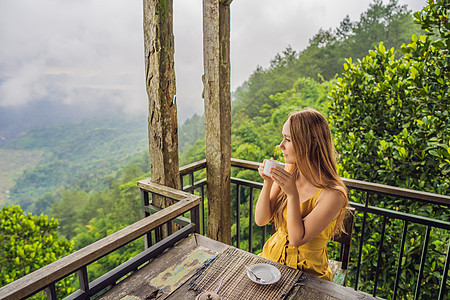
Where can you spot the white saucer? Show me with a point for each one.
(270, 274)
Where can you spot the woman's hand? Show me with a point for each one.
(261, 171)
(285, 180)
(267, 198)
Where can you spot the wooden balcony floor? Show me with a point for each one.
(168, 276)
(168, 272)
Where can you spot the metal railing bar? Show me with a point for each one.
(379, 260)
(51, 291)
(181, 183)
(169, 228)
(145, 202)
(194, 186)
(189, 170)
(248, 183)
(153, 237)
(422, 262)
(238, 216)
(396, 191)
(158, 233)
(361, 242)
(264, 234)
(444, 274)
(83, 279)
(402, 216)
(250, 223)
(202, 205)
(400, 257)
(367, 186)
(195, 218)
(191, 178)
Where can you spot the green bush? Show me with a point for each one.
(391, 120)
(28, 243)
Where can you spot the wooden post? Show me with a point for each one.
(217, 96)
(161, 90)
(162, 115)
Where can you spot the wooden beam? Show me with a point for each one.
(161, 90)
(216, 53)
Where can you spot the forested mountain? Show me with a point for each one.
(15, 120)
(308, 75)
(81, 155)
(324, 57)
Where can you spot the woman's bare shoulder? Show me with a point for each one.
(333, 195)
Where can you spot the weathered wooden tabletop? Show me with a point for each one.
(168, 276)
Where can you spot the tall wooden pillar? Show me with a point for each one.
(217, 96)
(160, 81)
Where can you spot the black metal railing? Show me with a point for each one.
(362, 194)
(193, 180)
(192, 214)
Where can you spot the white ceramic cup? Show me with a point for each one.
(271, 164)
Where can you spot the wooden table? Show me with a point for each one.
(172, 274)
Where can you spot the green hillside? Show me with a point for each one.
(80, 155)
(12, 164)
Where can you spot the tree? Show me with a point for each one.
(29, 242)
(395, 113)
(391, 120)
(325, 54)
(190, 131)
(99, 227)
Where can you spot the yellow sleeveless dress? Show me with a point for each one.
(311, 257)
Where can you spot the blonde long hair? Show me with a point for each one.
(315, 159)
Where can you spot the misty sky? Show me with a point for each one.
(91, 51)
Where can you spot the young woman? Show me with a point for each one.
(307, 200)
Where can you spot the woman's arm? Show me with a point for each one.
(302, 230)
(266, 200)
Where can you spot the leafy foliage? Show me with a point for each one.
(395, 114)
(119, 203)
(99, 213)
(391, 117)
(325, 54)
(195, 152)
(256, 139)
(28, 243)
(190, 131)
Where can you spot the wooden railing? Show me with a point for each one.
(193, 182)
(77, 262)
